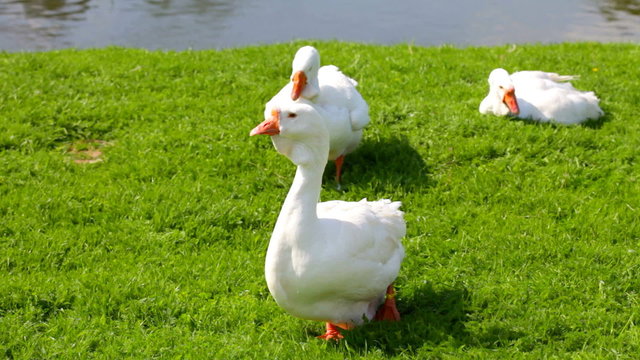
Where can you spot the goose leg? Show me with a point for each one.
(339, 160)
(332, 333)
(388, 310)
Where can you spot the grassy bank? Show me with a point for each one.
(135, 211)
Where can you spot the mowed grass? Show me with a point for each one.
(523, 239)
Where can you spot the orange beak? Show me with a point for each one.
(299, 82)
(510, 100)
(271, 126)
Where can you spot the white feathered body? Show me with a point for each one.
(341, 270)
(547, 97)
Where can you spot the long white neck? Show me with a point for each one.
(298, 216)
(298, 212)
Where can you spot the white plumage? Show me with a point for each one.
(539, 96)
(330, 261)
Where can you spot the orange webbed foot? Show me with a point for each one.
(332, 333)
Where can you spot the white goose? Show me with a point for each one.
(331, 261)
(539, 96)
(327, 86)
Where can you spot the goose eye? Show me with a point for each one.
(292, 115)
(500, 86)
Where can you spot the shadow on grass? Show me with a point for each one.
(429, 317)
(389, 162)
(594, 124)
(431, 320)
(599, 122)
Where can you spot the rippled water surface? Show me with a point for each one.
(203, 24)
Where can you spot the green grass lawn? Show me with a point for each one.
(135, 210)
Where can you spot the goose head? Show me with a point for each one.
(298, 132)
(503, 93)
(304, 74)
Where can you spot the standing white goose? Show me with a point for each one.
(332, 261)
(327, 86)
(539, 96)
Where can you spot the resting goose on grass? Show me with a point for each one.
(539, 96)
(327, 86)
(331, 261)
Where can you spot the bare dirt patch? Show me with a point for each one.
(87, 151)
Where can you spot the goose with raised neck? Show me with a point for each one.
(332, 261)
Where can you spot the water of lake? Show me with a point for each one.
(204, 24)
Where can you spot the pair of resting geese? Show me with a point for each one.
(336, 261)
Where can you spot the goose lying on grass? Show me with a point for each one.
(332, 261)
(327, 86)
(539, 96)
